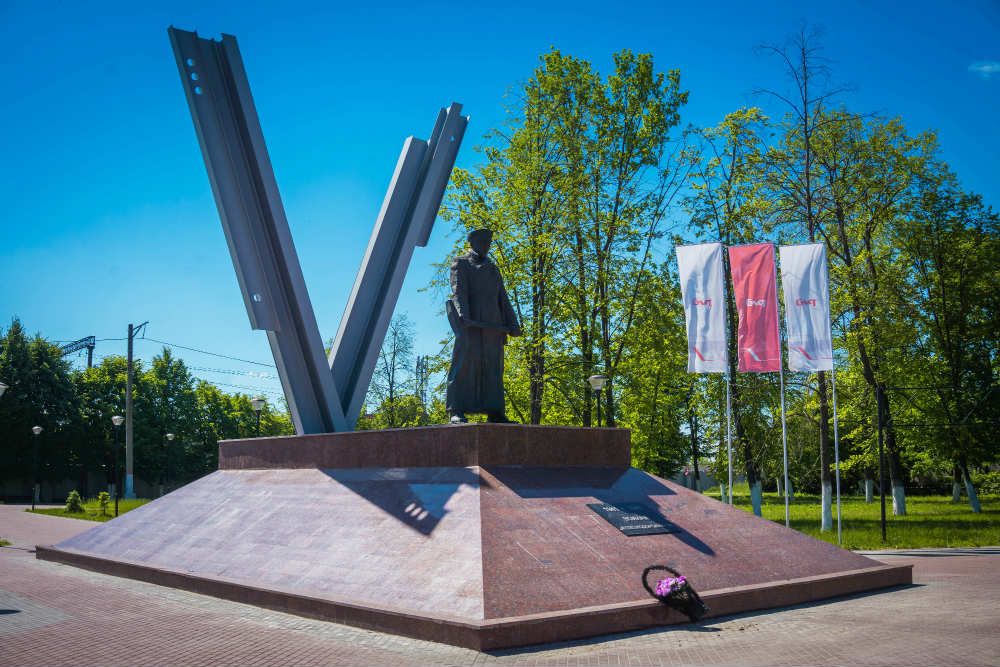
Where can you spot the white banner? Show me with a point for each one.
(807, 307)
(703, 290)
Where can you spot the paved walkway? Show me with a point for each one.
(52, 614)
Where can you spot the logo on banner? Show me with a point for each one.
(702, 302)
(760, 303)
(805, 302)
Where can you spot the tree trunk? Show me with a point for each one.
(693, 425)
(536, 381)
(780, 486)
(536, 347)
(892, 458)
(755, 496)
(956, 484)
(971, 490)
(869, 486)
(826, 518)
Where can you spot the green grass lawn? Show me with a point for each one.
(93, 509)
(931, 521)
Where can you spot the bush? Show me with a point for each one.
(103, 499)
(74, 503)
(987, 482)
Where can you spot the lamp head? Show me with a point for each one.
(3, 388)
(170, 436)
(597, 382)
(258, 403)
(36, 429)
(117, 420)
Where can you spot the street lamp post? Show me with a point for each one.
(597, 383)
(117, 421)
(258, 404)
(170, 438)
(37, 430)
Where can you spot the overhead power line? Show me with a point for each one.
(214, 354)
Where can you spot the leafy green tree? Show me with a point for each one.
(794, 181)
(870, 168)
(40, 393)
(576, 188)
(952, 241)
(101, 391)
(168, 403)
(728, 202)
(392, 388)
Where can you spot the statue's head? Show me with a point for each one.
(480, 240)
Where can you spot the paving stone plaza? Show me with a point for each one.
(52, 614)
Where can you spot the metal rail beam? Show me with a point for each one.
(322, 396)
(253, 218)
(408, 211)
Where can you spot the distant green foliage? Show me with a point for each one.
(74, 409)
(103, 500)
(94, 509)
(74, 503)
(987, 482)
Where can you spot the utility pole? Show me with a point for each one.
(129, 451)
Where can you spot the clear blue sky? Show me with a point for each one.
(108, 215)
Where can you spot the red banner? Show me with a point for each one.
(755, 291)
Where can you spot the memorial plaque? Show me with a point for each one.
(634, 518)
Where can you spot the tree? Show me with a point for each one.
(576, 188)
(391, 391)
(40, 393)
(793, 179)
(728, 202)
(168, 404)
(870, 169)
(953, 243)
(101, 391)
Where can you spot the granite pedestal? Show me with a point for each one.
(478, 535)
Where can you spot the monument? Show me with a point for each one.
(487, 535)
(481, 316)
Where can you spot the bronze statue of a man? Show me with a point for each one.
(481, 316)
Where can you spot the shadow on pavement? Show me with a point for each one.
(704, 626)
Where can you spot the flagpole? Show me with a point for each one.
(781, 379)
(729, 436)
(836, 448)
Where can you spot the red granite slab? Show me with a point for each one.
(501, 553)
(537, 527)
(457, 445)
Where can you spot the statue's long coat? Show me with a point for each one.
(475, 380)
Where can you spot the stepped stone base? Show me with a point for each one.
(477, 535)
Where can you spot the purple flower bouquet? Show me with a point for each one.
(675, 592)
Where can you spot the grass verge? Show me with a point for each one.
(931, 521)
(92, 510)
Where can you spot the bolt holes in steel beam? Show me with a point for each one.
(197, 90)
(190, 62)
(194, 76)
